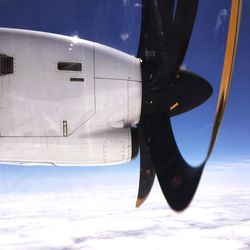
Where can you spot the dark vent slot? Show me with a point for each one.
(71, 66)
(6, 65)
(72, 79)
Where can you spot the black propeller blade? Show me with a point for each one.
(160, 34)
(169, 91)
(188, 91)
(177, 179)
(156, 22)
(147, 170)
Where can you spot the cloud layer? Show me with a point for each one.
(104, 217)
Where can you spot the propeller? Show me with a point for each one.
(168, 90)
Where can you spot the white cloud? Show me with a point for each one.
(235, 165)
(125, 36)
(105, 218)
(221, 18)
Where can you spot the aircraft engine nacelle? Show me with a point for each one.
(66, 100)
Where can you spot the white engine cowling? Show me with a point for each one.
(65, 100)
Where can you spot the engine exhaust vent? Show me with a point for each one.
(6, 65)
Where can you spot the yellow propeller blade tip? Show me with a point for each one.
(174, 106)
(139, 202)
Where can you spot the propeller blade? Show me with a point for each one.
(162, 50)
(177, 43)
(172, 171)
(177, 179)
(156, 24)
(187, 92)
(162, 57)
(147, 171)
(154, 27)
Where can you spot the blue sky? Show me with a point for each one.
(117, 24)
